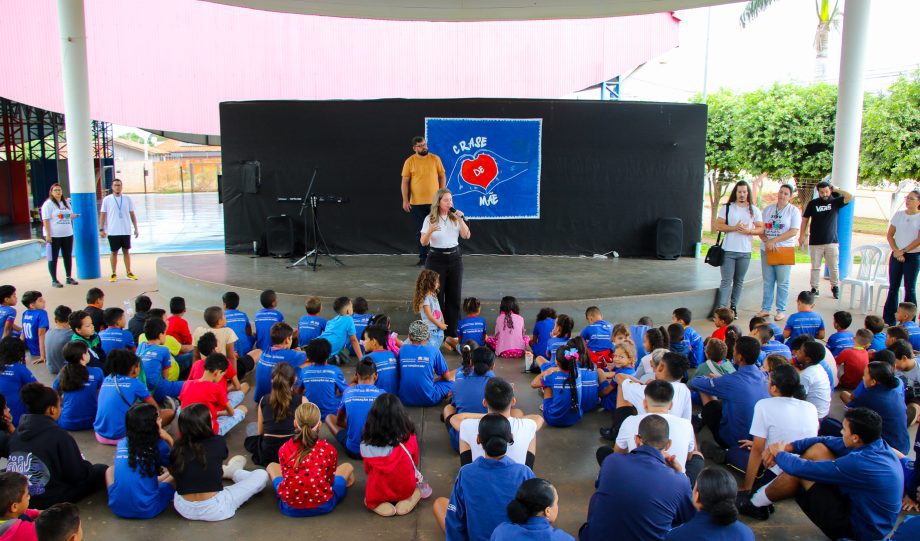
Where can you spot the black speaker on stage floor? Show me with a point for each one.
(669, 238)
(279, 236)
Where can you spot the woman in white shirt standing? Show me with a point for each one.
(441, 232)
(741, 221)
(57, 217)
(781, 223)
(904, 239)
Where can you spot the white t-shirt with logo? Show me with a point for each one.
(734, 241)
(818, 388)
(785, 419)
(117, 214)
(58, 218)
(680, 432)
(522, 430)
(634, 393)
(907, 227)
(778, 222)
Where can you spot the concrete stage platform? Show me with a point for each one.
(624, 289)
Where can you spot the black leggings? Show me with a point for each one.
(65, 246)
(450, 269)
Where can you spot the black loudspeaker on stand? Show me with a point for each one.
(669, 238)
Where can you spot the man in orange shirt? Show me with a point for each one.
(422, 176)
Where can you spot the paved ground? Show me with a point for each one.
(565, 456)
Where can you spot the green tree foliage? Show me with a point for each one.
(788, 131)
(891, 133)
(723, 159)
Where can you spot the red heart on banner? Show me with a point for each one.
(479, 172)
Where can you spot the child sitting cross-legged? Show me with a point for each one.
(139, 485)
(275, 421)
(322, 383)
(78, 386)
(211, 391)
(119, 391)
(357, 400)
(206, 345)
(390, 452)
(469, 388)
(561, 333)
(561, 388)
(307, 477)
(623, 361)
(510, 338)
(424, 379)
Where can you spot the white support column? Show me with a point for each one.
(75, 75)
(849, 117)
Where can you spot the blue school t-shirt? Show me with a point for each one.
(239, 321)
(469, 391)
(361, 322)
(356, 403)
(553, 345)
(264, 320)
(117, 395)
(878, 341)
(637, 332)
(8, 313)
(889, 404)
(610, 401)
(542, 331)
(154, 359)
(338, 330)
(775, 346)
(840, 341)
(12, 378)
(472, 328)
(133, 495)
(270, 357)
(78, 408)
(321, 384)
(387, 375)
(801, 323)
(115, 338)
(32, 321)
(913, 334)
(598, 335)
(696, 354)
(558, 410)
(308, 328)
(418, 366)
(589, 389)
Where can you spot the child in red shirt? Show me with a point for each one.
(17, 522)
(854, 360)
(390, 452)
(723, 317)
(210, 391)
(176, 326)
(309, 480)
(236, 391)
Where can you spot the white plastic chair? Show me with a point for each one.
(881, 285)
(870, 260)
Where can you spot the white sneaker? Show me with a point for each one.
(234, 465)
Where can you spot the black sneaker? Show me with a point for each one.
(607, 434)
(815, 292)
(697, 421)
(72, 282)
(748, 509)
(734, 313)
(420, 263)
(712, 451)
(55, 283)
(835, 291)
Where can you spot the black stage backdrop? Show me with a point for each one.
(609, 171)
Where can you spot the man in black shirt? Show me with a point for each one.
(819, 221)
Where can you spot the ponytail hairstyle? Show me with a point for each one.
(717, 490)
(74, 374)
(121, 361)
(584, 360)
(565, 324)
(567, 360)
(382, 321)
(508, 306)
(532, 498)
(786, 379)
(307, 417)
(194, 427)
(282, 393)
(483, 360)
(37, 398)
(466, 356)
(495, 435)
(732, 334)
(546, 313)
(143, 437)
(883, 373)
(657, 339)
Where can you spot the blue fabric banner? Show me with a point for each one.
(492, 164)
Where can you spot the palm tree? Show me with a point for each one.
(828, 16)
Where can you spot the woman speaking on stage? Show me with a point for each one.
(441, 232)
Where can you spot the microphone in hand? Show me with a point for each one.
(452, 210)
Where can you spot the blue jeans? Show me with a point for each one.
(734, 268)
(898, 272)
(775, 277)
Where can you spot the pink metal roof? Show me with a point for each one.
(166, 64)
